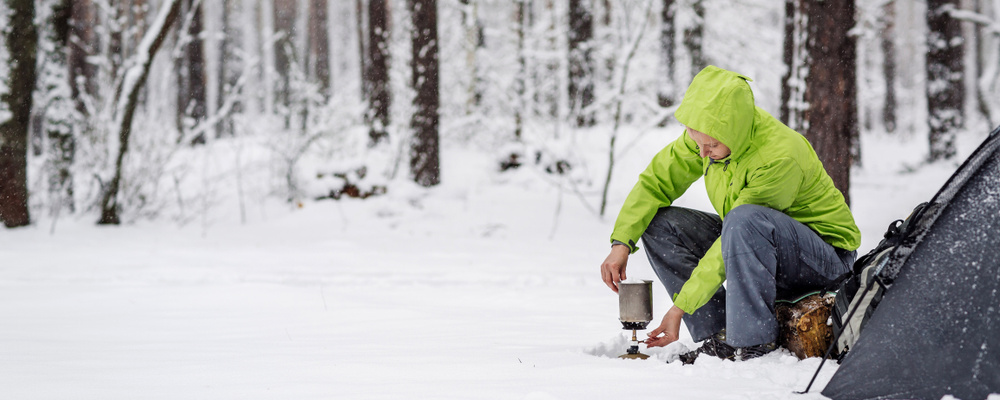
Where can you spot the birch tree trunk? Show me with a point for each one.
(796, 59)
(21, 40)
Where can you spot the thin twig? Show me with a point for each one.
(618, 107)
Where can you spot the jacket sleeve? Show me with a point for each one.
(705, 280)
(773, 185)
(668, 175)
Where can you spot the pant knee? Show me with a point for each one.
(747, 221)
(666, 218)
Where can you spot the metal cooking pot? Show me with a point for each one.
(635, 304)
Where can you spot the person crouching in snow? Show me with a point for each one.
(782, 227)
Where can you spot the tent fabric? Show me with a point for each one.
(937, 331)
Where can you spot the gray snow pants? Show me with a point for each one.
(768, 256)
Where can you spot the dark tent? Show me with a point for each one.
(937, 331)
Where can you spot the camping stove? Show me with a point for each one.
(635, 309)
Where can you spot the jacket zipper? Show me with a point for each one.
(711, 161)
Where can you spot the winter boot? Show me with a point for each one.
(750, 352)
(714, 346)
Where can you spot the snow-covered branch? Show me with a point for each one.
(990, 24)
(135, 79)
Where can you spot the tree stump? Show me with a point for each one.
(802, 327)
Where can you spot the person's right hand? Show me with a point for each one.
(613, 268)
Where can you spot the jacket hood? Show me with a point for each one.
(719, 103)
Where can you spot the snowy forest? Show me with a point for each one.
(119, 111)
(394, 199)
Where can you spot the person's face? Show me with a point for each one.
(709, 147)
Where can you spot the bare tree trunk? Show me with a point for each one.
(617, 118)
(693, 37)
(150, 45)
(945, 89)
(581, 68)
(285, 12)
(981, 68)
(116, 27)
(474, 40)
(138, 12)
(319, 45)
(377, 72)
(362, 53)
(196, 106)
(83, 43)
(520, 81)
(424, 153)
(831, 88)
(229, 66)
(796, 58)
(888, 38)
(546, 82)
(667, 94)
(59, 118)
(21, 41)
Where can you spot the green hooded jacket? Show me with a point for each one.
(770, 165)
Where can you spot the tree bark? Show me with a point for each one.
(319, 45)
(581, 82)
(377, 72)
(150, 45)
(667, 94)
(424, 153)
(945, 90)
(831, 88)
(21, 40)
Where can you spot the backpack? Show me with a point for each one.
(861, 289)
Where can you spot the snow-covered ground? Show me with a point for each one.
(487, 286)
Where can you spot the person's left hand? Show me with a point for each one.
(669, 328)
